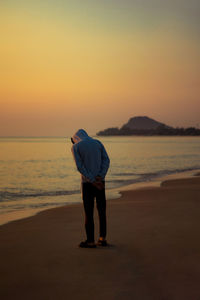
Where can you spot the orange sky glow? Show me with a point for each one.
(67, 65)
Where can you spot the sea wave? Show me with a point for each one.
(144, 177)
(6, 195)
(158, 173)
(112, 182)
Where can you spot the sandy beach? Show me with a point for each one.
(154, 252)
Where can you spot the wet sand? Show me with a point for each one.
(154, 252)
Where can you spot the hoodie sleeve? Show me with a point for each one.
(80, 166)
(105, 163)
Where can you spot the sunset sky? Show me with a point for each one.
(92, 64)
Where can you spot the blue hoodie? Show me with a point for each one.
(90, 156)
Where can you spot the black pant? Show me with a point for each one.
(89, 192)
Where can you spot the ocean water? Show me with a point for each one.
(38, 173)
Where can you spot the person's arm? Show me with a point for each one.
(105, 162)
(80, 166)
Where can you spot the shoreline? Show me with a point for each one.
(112, 194)
(154, 252)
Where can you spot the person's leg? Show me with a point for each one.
(101, 207)
(88, 202)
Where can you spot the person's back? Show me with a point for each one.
(90, 156)
(92, 162)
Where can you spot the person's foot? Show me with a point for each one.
(102, 242)
(87, 244)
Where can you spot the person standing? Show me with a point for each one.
(92, 162)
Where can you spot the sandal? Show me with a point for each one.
(87, 244)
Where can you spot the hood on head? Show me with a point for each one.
(79, 135)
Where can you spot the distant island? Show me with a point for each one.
(148, 127)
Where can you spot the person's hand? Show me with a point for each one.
(99, 185)
(98, 178)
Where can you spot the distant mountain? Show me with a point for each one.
(148, 127)
(143, 123)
